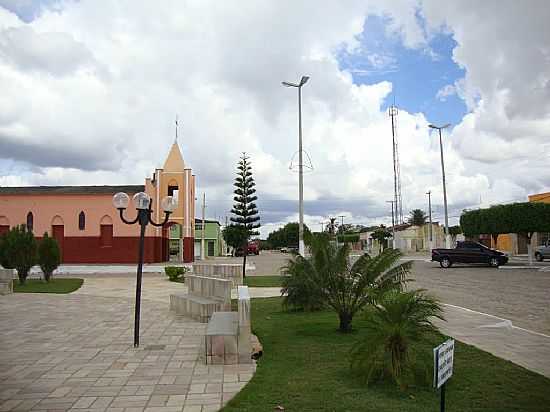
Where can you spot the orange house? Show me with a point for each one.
(87, 226)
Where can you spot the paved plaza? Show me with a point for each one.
(75, 352)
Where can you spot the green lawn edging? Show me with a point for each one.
(56, 285)
(305, 367)
(264, 281)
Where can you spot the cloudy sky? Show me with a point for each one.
(89, 91)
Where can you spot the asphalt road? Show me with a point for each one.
(520, 295)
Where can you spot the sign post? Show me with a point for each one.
(443, 367)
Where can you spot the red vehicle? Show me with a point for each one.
(253, 248)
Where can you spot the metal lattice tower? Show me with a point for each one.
(392, 111)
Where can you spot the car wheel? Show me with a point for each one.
(539, 257)
(445, 263)
(494, 263)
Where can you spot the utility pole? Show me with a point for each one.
(392, 222)
(342, 220)
(301, 245)
(429, 193)
(447, 236)
(322, 227)
(203, 226)
(392, 111)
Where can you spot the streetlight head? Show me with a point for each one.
(431, 126)
(169, 204)
(121, 200)
(447, 125)
(141, 200)
(304, 80)
(288, 84)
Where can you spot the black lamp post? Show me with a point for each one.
(143, 204)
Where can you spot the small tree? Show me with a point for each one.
(417, 217)
(244, 208)
(49, 256)
(347, 288)
(234, 235)
(381, 235)
(286, 235)
(454, 231)
(395, 331)
(20, 251)
(4, 261)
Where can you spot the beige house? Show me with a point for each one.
(408, 238)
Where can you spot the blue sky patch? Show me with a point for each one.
(416, 74)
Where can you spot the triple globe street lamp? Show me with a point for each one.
(143, 204)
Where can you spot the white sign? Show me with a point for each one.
(443, 362)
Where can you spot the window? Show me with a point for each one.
(81, 221)
(210, 248)
(30, 221)
(198, 226)
(106, 236)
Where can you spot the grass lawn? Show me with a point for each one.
(305, 368)
(263, 281)
(55, 285)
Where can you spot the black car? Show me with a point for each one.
(469, 252)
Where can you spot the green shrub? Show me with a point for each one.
(4, 262)
(176, 273)
(298, 290)
(20, 251)
(398, 331)
(329, 276)
(49, 256)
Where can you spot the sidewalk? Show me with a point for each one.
(498, 336)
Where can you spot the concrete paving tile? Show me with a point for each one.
(10, 404)
(192, 408)
(102, 402)
(84, 402)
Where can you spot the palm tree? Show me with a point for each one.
(330, 277)
(417, 217)
(395, 331)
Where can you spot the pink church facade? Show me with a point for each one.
(87, 226)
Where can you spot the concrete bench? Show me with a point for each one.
(6, 281)
(228, 334)
(231, 271)
(205, 296)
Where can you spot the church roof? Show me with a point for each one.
(174, 162)
(70, 190)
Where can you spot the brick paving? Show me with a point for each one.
(75, 352)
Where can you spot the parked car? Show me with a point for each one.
(253, 249)
(469, 252)
(543, 252)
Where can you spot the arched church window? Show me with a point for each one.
(30, 221)
(81, 221)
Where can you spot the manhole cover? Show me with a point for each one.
(155, 347)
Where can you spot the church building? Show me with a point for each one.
(87, 226)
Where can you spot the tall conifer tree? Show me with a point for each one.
(244, 209)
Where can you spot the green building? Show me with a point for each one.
(213, 239)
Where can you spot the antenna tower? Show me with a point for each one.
(396, 168)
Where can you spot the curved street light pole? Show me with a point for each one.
(301, 245)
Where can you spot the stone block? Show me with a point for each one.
(206, 296)
(230, 271)
(6, 281)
